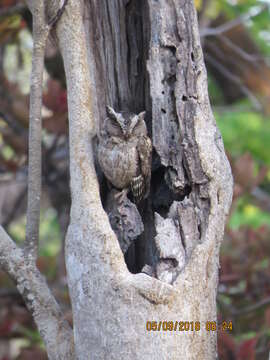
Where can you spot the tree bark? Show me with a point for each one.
(111, 306)
(136, 55)
(54, 329)
(40, 34)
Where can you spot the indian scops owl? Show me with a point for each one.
(125, 152)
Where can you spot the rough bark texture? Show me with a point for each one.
(191, 183)
(139, 55)
(44, 17)
(124, 218)
(53, 328)
(20, 263)
(40, 34)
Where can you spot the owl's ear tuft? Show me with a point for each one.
(110, 112)
(141, 115)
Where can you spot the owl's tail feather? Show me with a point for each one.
(138, 188)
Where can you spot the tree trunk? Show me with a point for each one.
(144, 55)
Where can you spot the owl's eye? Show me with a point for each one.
(136, 123)
(114, 123)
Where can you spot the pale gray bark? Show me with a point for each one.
(20, 263)
(53, 328)
(144, 56)
(44, 17)
(110, 305)
(40, 34)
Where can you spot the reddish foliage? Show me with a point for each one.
(267, 317)
(226, 346)
(244, 174)
(6, 326)
(245, 275)
(12, 318)
(56, 124)
(246, 350)
(7, 3)
(55, 98)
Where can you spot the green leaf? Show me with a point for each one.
(245, 131)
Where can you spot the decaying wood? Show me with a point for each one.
(144, 55)
(175, 68)
(170, 97)
(185, 214)
(171, 250)
(124, 218)
(122, 34)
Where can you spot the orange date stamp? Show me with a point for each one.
(188, 326)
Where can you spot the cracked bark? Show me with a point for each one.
(141, 61)
(143, 55)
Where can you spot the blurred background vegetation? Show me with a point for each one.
(235, 36)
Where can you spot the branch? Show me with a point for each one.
(46, 312)
(233, 23)
(262, 198)
(12, 10)
(235, 79)
(203, 19)
(239, 51)
(251, 308)
(40, 34)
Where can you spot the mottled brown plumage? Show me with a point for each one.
(125, 152)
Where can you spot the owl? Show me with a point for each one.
(125, 153)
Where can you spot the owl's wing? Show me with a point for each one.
(144, 148)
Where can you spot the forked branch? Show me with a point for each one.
(54, 329)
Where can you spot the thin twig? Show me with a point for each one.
(12, 10)
(262, 198)
(11, 215)
(11, 122)
(242, 53)
(231, 24)
(9, 293)
(203, 19)
(251, 308)
(235, 79)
